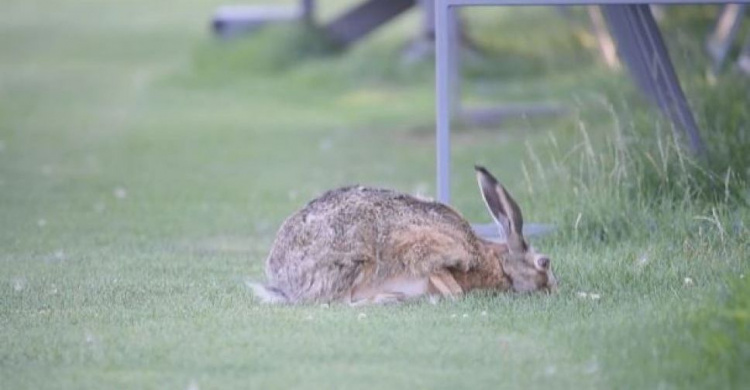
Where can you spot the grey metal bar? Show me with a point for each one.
(443, 101)
(491, 232)
(308, 11)
(364, 18)
(648, 60)
(462, 3)
(231, 21)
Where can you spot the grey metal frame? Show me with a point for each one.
(642, 48)
(446, 74)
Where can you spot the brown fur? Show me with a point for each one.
(360, 244)
(489, 273)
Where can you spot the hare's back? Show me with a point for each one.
(350, 220)
(380, 208)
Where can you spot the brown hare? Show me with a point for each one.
(362, 245)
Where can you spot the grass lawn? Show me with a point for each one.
(145, 167)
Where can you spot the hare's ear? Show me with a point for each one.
(502, 207)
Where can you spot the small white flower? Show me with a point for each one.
(361, 316)
(687, 281)
(41, 222)
(453, 316)
(591, 367)
(465, 316)
(742, 276)
(433, 299)
(582, 294)
(325, 305)
(19, 284)
(120, 193)
(594, 296)
(483, 313)
(59, 255)
(325, 145)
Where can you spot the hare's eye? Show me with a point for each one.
(542, 262)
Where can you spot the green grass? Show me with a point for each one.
(144, 170)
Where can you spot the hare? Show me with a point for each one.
(361, 245)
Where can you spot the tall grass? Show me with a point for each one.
(625, 178)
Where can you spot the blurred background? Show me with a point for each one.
(144, 98)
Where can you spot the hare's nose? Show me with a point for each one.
(551, 284)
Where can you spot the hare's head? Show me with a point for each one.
(526, 269)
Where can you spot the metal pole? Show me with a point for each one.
(308, 11)
(443, 98)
